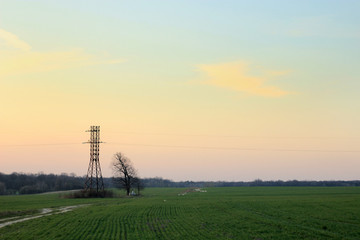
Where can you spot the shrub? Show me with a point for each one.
(90, 194)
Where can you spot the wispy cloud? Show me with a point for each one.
(25, 61)
(12, 40)
(236, 76)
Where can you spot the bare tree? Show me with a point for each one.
(124, 172)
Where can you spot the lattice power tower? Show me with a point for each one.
(94, 181)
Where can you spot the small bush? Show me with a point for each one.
(90, 194)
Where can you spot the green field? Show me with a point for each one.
(218, 213)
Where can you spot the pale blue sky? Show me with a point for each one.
(163, 67)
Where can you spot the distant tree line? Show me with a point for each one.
(160, 182)
(21, 183)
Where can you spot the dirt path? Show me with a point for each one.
(44, 212)
(189, 190)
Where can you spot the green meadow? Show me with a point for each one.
(168, 213)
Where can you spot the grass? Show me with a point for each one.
(219, 213)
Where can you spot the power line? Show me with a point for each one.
(38, 144)
(229, 136)
(236, 148)
(193, 147)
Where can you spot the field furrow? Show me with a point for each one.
(219, 213)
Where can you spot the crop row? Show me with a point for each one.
(217, 214)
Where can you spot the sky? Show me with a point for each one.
(188, 90)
